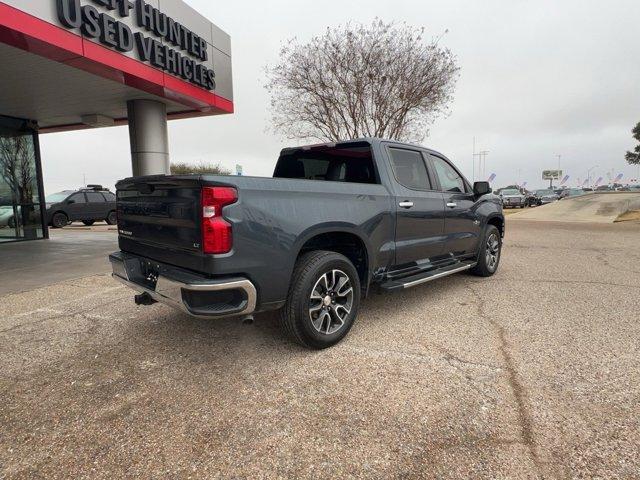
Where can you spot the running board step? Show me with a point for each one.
(425, 277)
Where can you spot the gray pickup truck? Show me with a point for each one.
(335, 222)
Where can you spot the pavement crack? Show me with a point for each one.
(56, 314)
(518, 389)
(453, 360)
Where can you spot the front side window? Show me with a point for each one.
(409, 169)
(450, 180)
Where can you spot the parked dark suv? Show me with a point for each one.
(87, 205)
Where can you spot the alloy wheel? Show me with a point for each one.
(331, 302)
(493, 251)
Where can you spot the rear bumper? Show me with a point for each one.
(189, 292)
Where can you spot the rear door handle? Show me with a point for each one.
(406, 204)
(452, 205)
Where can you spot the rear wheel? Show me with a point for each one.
(88, 223)
(59, 220)
(490, 252)
(112, 218)
(323, 300)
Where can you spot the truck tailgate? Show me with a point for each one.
(163, 211)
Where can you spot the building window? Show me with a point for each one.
(20, 196)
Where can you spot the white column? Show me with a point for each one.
(149, 137)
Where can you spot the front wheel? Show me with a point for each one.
(59, 220)
(323, 300)
(490, 252)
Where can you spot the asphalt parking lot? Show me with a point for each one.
(534, 373)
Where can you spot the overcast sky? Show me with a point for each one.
(538, 79)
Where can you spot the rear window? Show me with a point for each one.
(410, 169)
(341, 163)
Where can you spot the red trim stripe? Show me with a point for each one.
(34, 35)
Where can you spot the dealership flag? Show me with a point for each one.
(586, 182)
(598, 181)
(618, 178)
(492, 177)
(565, 180)
(524, 185)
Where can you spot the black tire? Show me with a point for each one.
(12, 222)
(297, 316)
(486, 267)
(59, 220)
(112, 218)
(88, 223)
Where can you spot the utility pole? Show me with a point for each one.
(483, 157)
(589, 175)
(473, 161)
(479, 155)
(482, 162)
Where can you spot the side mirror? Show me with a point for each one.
(481, 188)
(69, 202)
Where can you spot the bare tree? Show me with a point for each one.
(379, 80)
(17, 170)
(16, 166)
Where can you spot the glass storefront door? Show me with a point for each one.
(21, 199)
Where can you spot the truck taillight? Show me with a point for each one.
(217, 234)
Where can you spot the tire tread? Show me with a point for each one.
(305, 264)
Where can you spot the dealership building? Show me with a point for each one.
(78, 64)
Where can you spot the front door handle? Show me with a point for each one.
(406, 204)
(452, 205)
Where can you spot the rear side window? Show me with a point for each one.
(341, 163)
(409, 169)
(94, 197)
(450, 180)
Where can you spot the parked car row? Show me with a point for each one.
(517, 197)
(521, 198)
